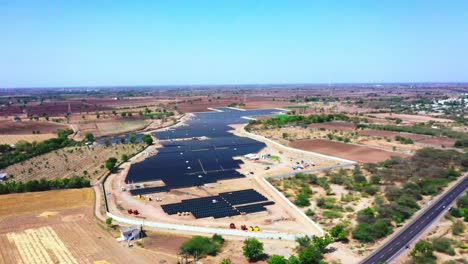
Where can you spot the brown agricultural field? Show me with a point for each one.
(59, 227)
(413, 119)
(11, 132)
(345, 151)
(70, 161)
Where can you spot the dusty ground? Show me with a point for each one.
(69, 161)
(412, 119)
(106, 127)
(278, 217)
(345, 151)
(59, 227)
(11, 132)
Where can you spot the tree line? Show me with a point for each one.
(74, 182)
(24, 150)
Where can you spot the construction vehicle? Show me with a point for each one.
(232, 226)
(244, 227)
(130, 211)
(257, 229)
(251, 229)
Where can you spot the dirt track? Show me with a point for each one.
(345, 151)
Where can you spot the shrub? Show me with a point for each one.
(199, 246)
(277, 259)
(458, 228)
(252, 249)
(332, 214)
(444, 245)
(302, 200)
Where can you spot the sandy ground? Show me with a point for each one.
(59, 227)
(345, 151)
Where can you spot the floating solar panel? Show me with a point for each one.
(192, 162)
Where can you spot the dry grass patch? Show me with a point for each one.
(67, 162)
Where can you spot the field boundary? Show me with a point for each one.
(300, 150)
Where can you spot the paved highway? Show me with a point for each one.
(400, 241)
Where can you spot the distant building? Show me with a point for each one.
(130, 232)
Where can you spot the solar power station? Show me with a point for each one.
(222, 205)
(194, 162)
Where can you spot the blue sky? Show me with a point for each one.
(86, 43)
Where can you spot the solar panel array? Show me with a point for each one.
(221, 205)
(192, 162)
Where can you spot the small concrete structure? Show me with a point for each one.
(130, 232)
(3, 176)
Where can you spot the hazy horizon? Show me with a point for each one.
(88, 44)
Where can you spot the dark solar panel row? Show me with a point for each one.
(218, 207)
(243, 197)
(148, 190)
(253, 208)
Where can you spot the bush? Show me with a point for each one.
(302, 200)
(218, 239)
(199, 246)
(147, 139)
(309, 212)
(330, 214)
(252, 249)
(110, 163)
(277, 259)
(458, 228)
(226, 261)
(444, 245)
(339, 232)
(423, 252)
(326, 202)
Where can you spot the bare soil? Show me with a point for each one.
(59, 227)
(346, 151)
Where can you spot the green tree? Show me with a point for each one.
(124, 157)
(302, 200)
(252, 249)
(147, 139)
(277, 259)
(225, 261)
(132, 138)
(339, 232)
(423, 252)
(198, 246)
(218, 239)
(109, 221)
(110, 163)
(310, 255)
(89, 137)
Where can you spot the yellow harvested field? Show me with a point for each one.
(41, 246)
(44, 202)
(59, 227)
